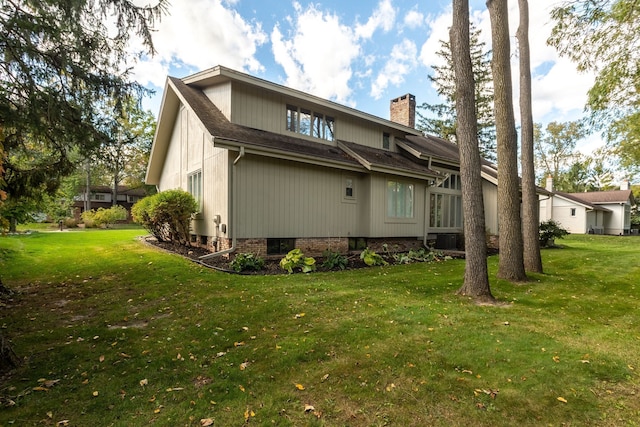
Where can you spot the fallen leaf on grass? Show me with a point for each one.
(562, 399)
(47, 383)
(300, 387)
(101, 358)
(95, 393)
(238, 344)
(299, 315)
(63, 423)
(206, 422)
(170, 389)
(248, 413)
(241, 388)
(309, 408)
(244, 365)
(144, 382)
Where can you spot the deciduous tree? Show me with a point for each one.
(603, 37)
(476, 278)
(530, 210)
(511, 263)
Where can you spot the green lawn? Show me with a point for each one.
(114, 332)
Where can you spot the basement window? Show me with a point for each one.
(278, 246)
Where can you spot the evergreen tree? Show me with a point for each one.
(440, 119)
(62, 62)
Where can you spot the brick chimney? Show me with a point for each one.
(403, 110)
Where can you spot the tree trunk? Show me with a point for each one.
(476, 277)
(8, 358)
(530, 208)
(511, 262)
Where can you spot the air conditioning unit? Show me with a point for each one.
(446, 241)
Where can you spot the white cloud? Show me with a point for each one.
(414, 19)
(402, 60)
(317, 56)
(200, 34)
(439, 30)
(383, 17)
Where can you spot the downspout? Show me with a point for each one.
(426, 214)
(234, 215)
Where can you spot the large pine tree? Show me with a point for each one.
(441, 119)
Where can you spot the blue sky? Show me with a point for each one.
(358, 53)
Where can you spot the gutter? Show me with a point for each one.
(234, 238)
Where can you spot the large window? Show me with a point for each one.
(446, 211)
(307, 122)
(194, 187)
(400, 199)
(445, 204)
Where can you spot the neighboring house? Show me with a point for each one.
(274, 168)
(101, 196)
(595, 212)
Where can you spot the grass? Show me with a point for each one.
(115, 333)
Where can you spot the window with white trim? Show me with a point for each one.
(194, 187)
(400, 199)
(445, 203)
(386, 141)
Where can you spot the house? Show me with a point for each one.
(101, 196)
(275, 168)
(595, 212)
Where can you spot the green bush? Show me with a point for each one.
(104, 217)
(245, 262)
(371, 258)
(549, 231)
(333, 260)
(295, 259)
(167, 215)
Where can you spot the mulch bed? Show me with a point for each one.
(271, 265)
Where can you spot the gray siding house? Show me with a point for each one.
(275, 168)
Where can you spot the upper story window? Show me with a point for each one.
(310, 123)
(573, 211)
(98, 197)
(452, 182)
(386, 141)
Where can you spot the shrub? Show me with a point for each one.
(104, 217)
(333, 260)
(296, 259)
(166, 215)
(244, 262)
(551, 230)
(110, 216)
(371, 258)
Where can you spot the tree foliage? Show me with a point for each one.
(603, 37)
(63, 61)
(441, 119)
